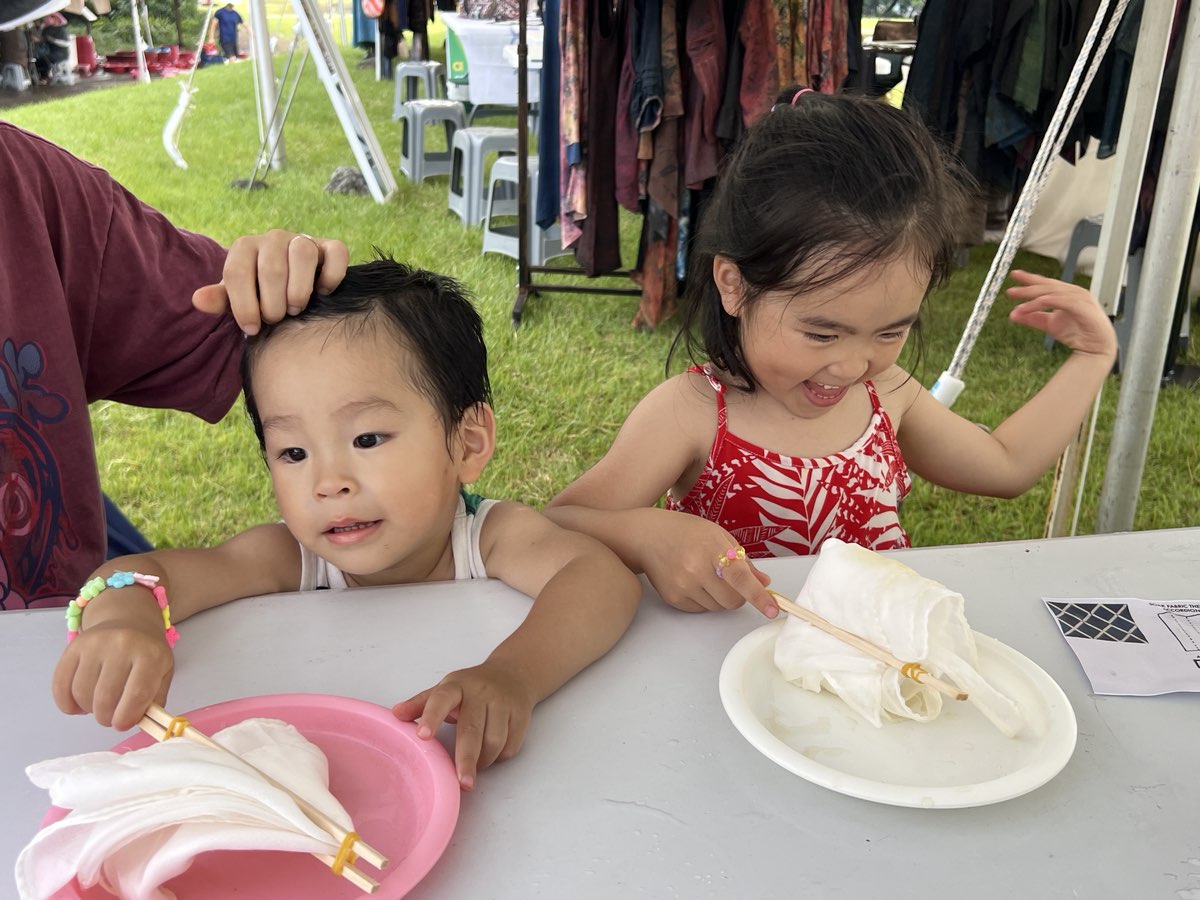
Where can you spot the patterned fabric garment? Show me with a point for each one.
(776, 505)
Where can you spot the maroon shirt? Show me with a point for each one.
(95, 303)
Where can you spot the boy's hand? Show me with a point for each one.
(268, 276)
(491, 707)
(1066, 312)
(687, 563)
(114, 671)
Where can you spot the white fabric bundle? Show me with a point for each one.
(916, 618)
(138, 819)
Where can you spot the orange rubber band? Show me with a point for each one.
(345, 855)
(176, 727)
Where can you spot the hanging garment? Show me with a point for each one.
(573, 184)
(549, 126)
(598, 248)
(706, 58)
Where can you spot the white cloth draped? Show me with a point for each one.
(138, 819)
(886, 602)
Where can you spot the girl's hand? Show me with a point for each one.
(270, 275)
(114, 670)
(491, 706)
(682, 562)
(1066, 312)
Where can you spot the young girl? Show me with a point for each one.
(828, 227)
(372, 410)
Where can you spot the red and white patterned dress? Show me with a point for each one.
(776, 505)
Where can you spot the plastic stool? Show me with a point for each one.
(468, 154)
(544, 244)
(415, 162)
(409, 77)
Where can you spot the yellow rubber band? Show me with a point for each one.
(913, 670)
(176, 727)
(345, 856)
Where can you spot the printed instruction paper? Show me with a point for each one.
(1132, 646)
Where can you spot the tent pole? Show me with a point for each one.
(1133, 142)
(264, 72)
(1166, 245)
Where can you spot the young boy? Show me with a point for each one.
(372, 408)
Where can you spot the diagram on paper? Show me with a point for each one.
(1097, 621)
(1131, 646)
(1185, 627)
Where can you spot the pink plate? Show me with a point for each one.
(401, 791)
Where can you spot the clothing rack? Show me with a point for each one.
(525, 271)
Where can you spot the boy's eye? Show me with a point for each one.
(367, 441)
(293, 454)
(820, 338)
(894, 335)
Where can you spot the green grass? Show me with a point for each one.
(563, 383)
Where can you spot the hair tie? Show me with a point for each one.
(796, 99)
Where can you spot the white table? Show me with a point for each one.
(633, 783)
(492, 77)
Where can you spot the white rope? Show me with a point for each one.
(950, 384)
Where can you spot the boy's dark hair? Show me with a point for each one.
(430, 316)
(816, 192)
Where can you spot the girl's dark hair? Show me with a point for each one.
(816, 192)
(429, 315)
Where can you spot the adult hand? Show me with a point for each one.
(114, 671)
(1066, 312)
(268, 276)
(491, 707)
(687, 560)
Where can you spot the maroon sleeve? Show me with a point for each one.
(95, 303)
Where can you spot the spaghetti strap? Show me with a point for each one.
(876, 406)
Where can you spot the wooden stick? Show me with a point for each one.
(914, 671)
(155, 723)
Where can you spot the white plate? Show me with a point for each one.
(959, 759)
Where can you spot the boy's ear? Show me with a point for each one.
(476, 442)
(728, 279)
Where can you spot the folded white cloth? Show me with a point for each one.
(886, 602)
(138, 819)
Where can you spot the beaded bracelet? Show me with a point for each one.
(88, 592)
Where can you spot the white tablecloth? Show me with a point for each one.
(493, 78)
(633, 783)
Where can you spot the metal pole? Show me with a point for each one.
(139, 45)
(264, 72)
(1133, 142)
(524, 216)
(1166, 245)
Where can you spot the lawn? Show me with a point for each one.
(563, 382)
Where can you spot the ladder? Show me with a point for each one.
(331, 69)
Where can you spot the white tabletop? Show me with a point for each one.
(633, 783)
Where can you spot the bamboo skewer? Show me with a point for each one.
(915, 671)
(155, 723)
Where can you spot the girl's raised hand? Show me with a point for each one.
(688, 562)
(489, 704)
(1066, 312)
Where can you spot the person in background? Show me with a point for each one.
(225, 25)
(96, 303)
